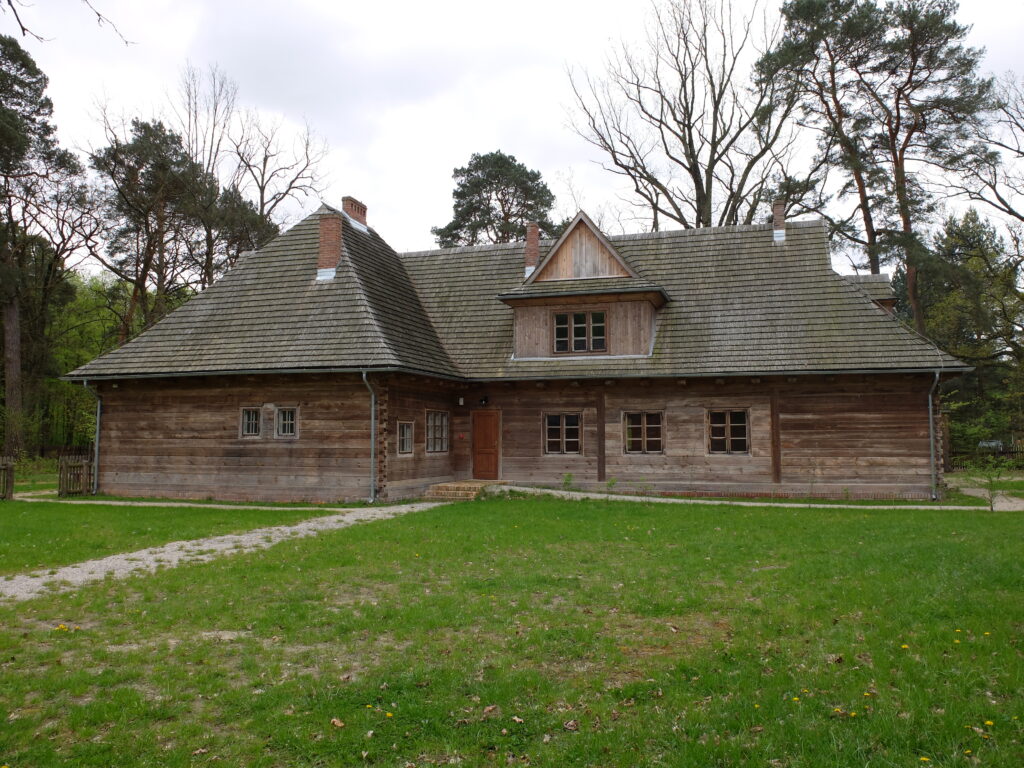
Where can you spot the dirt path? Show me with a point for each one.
(28, 585)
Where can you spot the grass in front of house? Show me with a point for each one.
(544, 632)
(41, 534)
(34, 481)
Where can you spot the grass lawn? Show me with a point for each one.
(548, 633)
(46, 534)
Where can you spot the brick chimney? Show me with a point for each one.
(354, 209)
(330, 246)
(532, 253)
(779, 222)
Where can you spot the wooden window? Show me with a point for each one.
(580, 332)
(728, 432)
(643, 432)
(437, 431)
(287, 425)
(251, 422)
(405, 437)
(562, 432)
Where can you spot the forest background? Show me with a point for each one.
(876, 117)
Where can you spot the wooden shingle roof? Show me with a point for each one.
(738, 304)
(270, 314)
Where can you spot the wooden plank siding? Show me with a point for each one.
(629, 327)
(582, 255)
(180, 438)
(814, 435)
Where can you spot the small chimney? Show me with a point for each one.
(532, 253)
(330, 246)
(779, 222)
(354, 209)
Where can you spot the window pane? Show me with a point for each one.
(597, 344)
(554, 445)
(597, 318)
(250, 422)
(561, 345)
(717, 431)
(653, 445)
(738, 445)
(572, 446)
(653, 418)
(633, 419)
(286, 422)
(572, 419)
(738, 417)
(552, 421)
(718, 445)
(717, 417)
(738, 430)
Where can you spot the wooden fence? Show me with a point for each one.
(6, 477)
(74, 476)
(1013, 458)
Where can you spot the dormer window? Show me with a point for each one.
(580, 332)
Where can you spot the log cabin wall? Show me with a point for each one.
(409, 400)
(856, 436)
(181, 438)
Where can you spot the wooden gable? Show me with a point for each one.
(581, 252)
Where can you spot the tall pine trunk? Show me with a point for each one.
(14, 417)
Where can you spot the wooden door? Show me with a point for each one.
(486, 445)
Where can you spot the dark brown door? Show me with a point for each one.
(486, 444)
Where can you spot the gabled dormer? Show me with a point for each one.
(582, 299)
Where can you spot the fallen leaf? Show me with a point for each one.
(674, 628)
(571, 725)
(516, 719)
(337, 723)
(200, 751)
(547, 738)
(369, 734)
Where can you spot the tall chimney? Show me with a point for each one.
(779, 222)
(532, 253)
(354, 209)
(330, 246)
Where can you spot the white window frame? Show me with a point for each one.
(278, 410)
(259, 422)
(437, 443)
(412, 438)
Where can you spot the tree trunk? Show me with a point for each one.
(14, 421)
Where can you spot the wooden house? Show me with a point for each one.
(327, 366)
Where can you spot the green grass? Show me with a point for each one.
(34, 481)
(547, 633)
(46, 534)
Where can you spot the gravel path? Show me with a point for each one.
(28, 585)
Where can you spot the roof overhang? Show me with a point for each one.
(657, 296)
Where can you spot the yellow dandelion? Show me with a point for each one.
(804, 690)
(853, 714)
(904, 646)
(757, 706)
(956, 630)
(986, 633)
(989, 722)
(836, 709)
(967, 751)
(925, 759)
(957, 642)
(867, 693)
(390, 715)
(369, 706)
(796, 698)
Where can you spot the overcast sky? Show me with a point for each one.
(403, 91)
